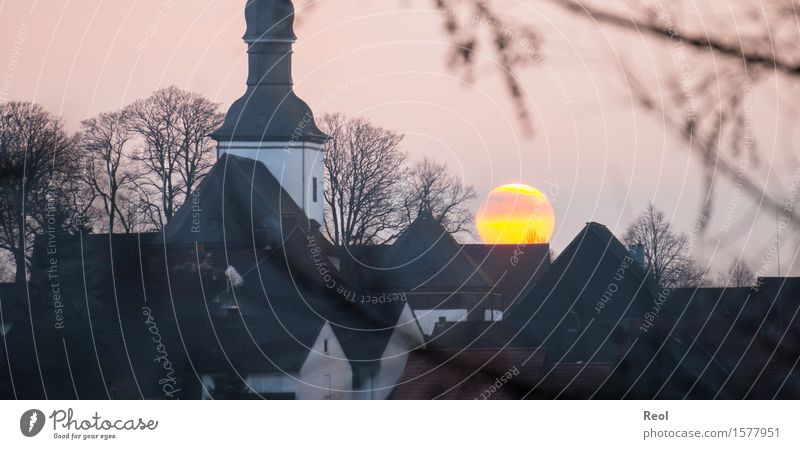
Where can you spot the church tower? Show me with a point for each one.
(270, 123)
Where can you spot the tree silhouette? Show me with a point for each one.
(173, 128)
(430, 186)
(364, 171)
(666, 252)
(107, 168)
(39, 192)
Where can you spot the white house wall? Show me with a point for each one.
(311, 382)
(406, 337)
(271, 383)
(313, 375)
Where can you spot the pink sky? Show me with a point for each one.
(595, 155)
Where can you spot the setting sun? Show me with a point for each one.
(516, 214)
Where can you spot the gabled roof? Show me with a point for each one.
(497, 260)
(731, 342)
(288, 294)
(267, 325)
(477, 334)
(363, 321)
(514, 269)
(470, 374)
(594, 262)
(595, 342)
(239, 203)
(101, 295)
(426, 258)
(572, 381)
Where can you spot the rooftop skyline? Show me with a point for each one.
(593, 153)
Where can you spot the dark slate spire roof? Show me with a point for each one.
(427, 258)
(269, 21)
(269, 111)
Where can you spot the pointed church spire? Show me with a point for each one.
(269, 21)
(269, 111)
(269, 123)
(269, 36)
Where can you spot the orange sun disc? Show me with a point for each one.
(516, 214)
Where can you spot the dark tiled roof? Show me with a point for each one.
(269, 114)
(238, 204)
(90, 330)
(478, 334)
(572, 381)
(273, 319)
(580, 277)
(266, 325)
(469, 374)
(732, 342)
(426, 258)
(17, 355)
(513, 268)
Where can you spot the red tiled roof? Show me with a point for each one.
(471, 373)
(575, 380)
(515, 269)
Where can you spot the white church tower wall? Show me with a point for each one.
(299, 167)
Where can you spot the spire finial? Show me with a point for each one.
(269, 21)
(269, 111)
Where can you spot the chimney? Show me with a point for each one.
(637, 253)
(440, 325)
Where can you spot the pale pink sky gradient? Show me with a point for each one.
(594, 154)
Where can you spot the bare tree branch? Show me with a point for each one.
(107, 168)
(431, 187)
(666, 252)
(364, 172)
(37, 191)
(174, 126)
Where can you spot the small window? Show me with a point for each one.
(325, 346)
(314, 188)
(327, 386)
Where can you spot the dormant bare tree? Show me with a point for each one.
(739, 275)
(173, 127)
(666, 252)
(6, 267)
(107, 170)
(37, 182)
(532, 237)
(198, 118)
(363, 181)
(430, 186)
